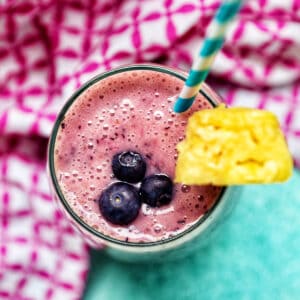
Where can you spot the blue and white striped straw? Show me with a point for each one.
(210, 47)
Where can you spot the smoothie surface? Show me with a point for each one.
(128, 111)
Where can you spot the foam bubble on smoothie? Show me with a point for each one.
(133, 111)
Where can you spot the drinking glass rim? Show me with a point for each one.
(132, 67)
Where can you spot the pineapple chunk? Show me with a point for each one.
(228, 146)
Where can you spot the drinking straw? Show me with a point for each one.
(209, 48)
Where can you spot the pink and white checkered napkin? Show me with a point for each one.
(48, 48)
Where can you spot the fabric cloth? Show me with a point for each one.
(254, 256)
(48, 48)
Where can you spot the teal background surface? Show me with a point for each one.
(256, 256)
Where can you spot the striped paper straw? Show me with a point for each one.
(210, 47)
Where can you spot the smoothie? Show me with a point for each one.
(128, 111)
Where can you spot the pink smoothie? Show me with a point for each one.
(128, 111)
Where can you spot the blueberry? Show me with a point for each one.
(129, 166)
(156, 190)
(120, 203)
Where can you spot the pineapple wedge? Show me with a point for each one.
(229, 146)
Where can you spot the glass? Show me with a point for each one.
(171, 248)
